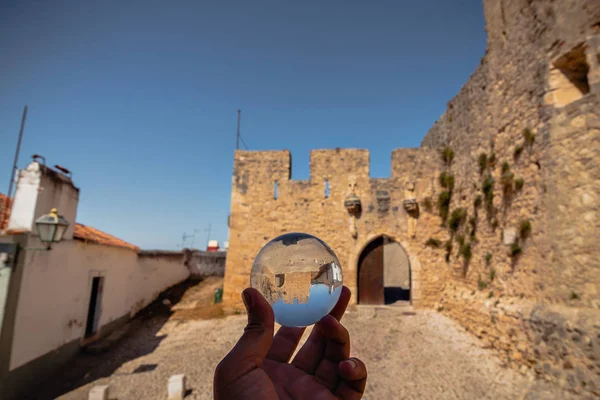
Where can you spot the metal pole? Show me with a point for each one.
(193, 238)
(208, 238)
(16, 161)
(237, 140)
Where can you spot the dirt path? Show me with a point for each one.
(410, 355)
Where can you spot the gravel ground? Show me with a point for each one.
(409, 355)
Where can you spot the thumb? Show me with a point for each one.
(252, 348)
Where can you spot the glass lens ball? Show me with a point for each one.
(300, 276)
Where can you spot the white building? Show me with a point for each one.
(52, 302)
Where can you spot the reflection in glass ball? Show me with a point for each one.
(300, 277)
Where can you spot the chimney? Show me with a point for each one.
(38, 190)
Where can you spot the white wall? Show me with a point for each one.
(26, 193)
(153, 275)
(38, 190)
(58, 192)
(55, 291)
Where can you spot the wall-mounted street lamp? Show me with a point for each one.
(51, 228)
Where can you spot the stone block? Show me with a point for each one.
(176, 387)
(510, 235)
(100, 392)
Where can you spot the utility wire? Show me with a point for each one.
(243, 142)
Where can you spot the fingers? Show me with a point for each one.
(251, 349)
(284, 343)
(340, 307)
(337, 349)
(354, 379)
(310, 355)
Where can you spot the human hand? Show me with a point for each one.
(258, 366)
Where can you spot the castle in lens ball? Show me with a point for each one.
(300, 276)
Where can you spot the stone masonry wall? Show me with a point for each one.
(517, 151)
(202, 264)
(257, 217)
(530, 305)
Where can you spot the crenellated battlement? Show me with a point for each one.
(330, 166)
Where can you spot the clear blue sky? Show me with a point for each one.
(138, 98)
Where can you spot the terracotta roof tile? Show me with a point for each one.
(89, 234)
(4, 211)
(82, 232)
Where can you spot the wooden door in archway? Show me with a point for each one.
(370, 273)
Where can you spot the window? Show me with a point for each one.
(568, 78)
(279, 280)
(275, 190)
(326, 188)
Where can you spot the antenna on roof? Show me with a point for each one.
(191, 236)
(17, 151)
(239, 136)
(208, 236)
(237, 139)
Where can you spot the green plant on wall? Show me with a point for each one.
(525, 229)
(447, 155)
(448, 247)
(517, 152)
(477, 202)
(488, 259)
(473, 225)
(460, 239)
(488, 191)
(450, 182)
(456, 219)
(433, 242)
(506, 179)
(529, 137)
(481, 284)
(515, 249)
(483, 163)
(428, 204)
(574, 296)
(492, 159)
(519, 182)
(444, 205)
(466, 251)
(492, 274)
(447, 181)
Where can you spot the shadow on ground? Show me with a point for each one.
(87, 367)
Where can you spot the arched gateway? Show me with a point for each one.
(384, 273)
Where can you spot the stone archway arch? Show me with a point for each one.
(413, 260)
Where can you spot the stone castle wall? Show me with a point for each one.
(507, 94)
(257, 217)
(541, 307)
(523, 267)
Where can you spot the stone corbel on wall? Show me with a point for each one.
(411, 206)
(353, 206)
